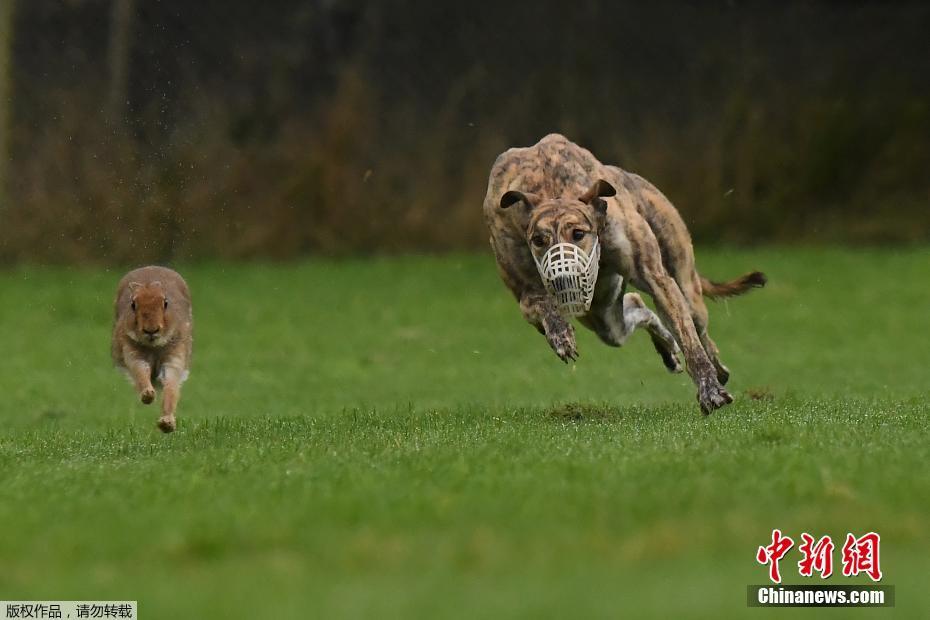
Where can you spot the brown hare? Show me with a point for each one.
(153, 335)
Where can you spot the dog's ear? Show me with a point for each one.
(600, 189)
(513, 196)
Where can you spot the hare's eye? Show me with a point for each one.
(578, 234)
(132, 304)
(166, 304)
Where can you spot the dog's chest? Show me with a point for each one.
(616, 248)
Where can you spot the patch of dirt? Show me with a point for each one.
(579, 412)
(760, 393)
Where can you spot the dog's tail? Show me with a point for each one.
(740, 285)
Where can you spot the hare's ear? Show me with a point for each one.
(513, 196)
(133, 287)
(594, 194)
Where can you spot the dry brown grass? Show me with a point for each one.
(367, 173)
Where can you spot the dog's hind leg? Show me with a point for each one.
(635, 314)
(618, 315)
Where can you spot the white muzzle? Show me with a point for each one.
(569, 274)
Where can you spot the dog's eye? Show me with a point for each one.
(132, 304)
(538, 241)
(166, 304)
(578, 234)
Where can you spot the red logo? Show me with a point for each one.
(860, 555)
(817, 557)
(773, 553)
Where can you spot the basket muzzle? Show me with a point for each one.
(569, 274)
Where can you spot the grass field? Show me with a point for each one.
(388, 438)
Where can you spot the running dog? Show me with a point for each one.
(569, 233)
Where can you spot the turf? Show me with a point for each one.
(388, 438)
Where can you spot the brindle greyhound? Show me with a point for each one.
(556, 192)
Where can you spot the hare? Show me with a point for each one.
(153, 335)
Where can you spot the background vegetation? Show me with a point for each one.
(175, 130)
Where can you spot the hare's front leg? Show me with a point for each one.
(140, 371)
(171, 379)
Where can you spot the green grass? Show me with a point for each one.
(388, 438)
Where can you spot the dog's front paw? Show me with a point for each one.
(147, 396)
(562, 341)
(712, 395)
